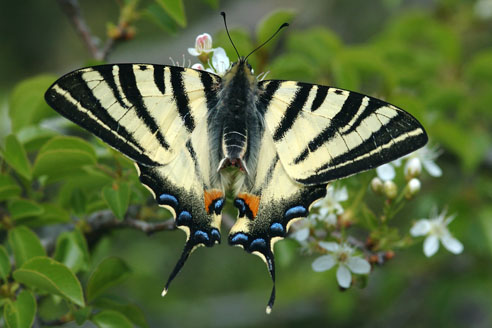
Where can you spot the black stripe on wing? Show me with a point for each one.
(321, 93)
(349, 109)
(74, 86)
(293, 110)
(383, 142)
(181, 98)
(266, 94)
(132, 94)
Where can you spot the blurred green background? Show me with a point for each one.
(433, 58)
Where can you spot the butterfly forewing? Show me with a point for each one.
(323, 133)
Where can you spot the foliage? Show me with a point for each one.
(63, 192)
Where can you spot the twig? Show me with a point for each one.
(72, 10)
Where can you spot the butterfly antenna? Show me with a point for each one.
(227, 30)
(184, 256)
(261, 45)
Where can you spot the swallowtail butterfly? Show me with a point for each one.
(185, 128)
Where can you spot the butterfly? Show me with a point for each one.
(194, 135)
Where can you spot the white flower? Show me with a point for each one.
(203, 44)
(220, 61)
(386, 172)
(425, 156)
(414, 186)
(301, 229)
(435, 228)
(329, 207)
(341, 255)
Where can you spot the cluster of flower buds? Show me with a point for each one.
(212, 60)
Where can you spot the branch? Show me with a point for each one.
(72, 10)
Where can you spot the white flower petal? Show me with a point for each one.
(193, 52)
(341, 194)
(452, 244)
(386, 172)
(301, 234)
(344, 277)
(220, 61)
(431, 245)
(420, 228)
(432, 168)
(198, 66)
(331, 219)
(329, 246)
(358, 265)
(323, 263)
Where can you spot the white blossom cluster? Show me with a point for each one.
(218, 64)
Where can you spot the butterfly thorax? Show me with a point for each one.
(235, 125)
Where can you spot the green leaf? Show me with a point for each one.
(110, 272)
(61, 156)
(175, 9)
(20, 314)
(117, 197)
(71, 250)
(50, 276)
(157, 15)
(27, 105)
(4, 263)
(33, 137)
(131, 311)
(8, 188)
(111, 319)
(15, 155)
(25, 245)
(270, 24)
(82, 315)
(212, 3)
(23, 208)
(52, 307)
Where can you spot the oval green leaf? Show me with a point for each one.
(20, 314)
(71, 250)
(110, 272)
(15, 155)
(62, 156)
(131, 311)
(4, 263)
(8, 188)
(117, 197)
(23, 208)
(27, 105)
(111, 319)
(50, 276)
(25, 245)
(175, 9)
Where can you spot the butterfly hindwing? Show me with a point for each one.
(323, 133)
(269, 207)
(154, 114)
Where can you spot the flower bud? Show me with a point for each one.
(390, 189)
(377, 185)
(413, 168)
(198, 66)
(413, 187)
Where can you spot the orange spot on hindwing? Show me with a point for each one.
(252, 203)
(211, 198)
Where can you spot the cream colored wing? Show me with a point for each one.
(269, 207)
(145, 111)
(323, 133)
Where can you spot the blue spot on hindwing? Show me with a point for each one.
(258, 243)
(201, 236)
(219, 204)
(167, 199)
(295, 212)
(239, 203)
(239, 238)
(184, 218)
(277, 229)
(215, 233)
